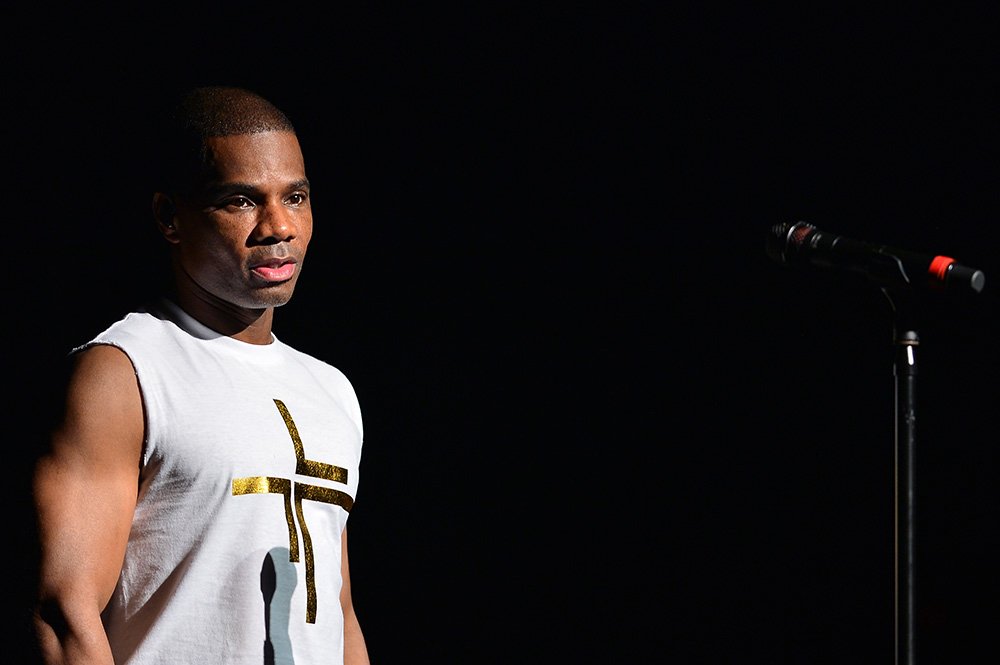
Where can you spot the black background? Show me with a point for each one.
(601, 425)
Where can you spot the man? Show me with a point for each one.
(192, 506)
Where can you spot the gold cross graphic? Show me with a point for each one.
(300, 492)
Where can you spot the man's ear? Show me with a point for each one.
(165, 213)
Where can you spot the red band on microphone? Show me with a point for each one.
(939, 267)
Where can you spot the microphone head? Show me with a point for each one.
(785, 239)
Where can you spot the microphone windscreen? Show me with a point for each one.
(785, 238)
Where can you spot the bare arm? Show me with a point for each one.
(85, 492)
(355, 649)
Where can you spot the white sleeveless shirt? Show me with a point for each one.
(249, 471)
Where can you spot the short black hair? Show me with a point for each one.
(199, 113)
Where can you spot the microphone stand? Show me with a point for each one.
(802, 243)
(906, 340)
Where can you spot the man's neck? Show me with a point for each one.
(252, 326)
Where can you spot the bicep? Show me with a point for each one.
(85, 485)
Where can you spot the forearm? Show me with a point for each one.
(71, 641)
(355, 649)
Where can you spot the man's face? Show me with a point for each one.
(243, 238)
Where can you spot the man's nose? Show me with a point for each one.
(276, 224)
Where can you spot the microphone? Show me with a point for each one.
(802, 243)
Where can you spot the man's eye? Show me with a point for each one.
(298, 198)
(240, 202)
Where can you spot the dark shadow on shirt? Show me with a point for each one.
(277, 582)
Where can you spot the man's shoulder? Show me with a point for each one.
(314, 363)
(136, 323)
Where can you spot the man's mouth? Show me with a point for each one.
(275, 272)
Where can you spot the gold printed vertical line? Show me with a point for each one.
(303, 466)
(310, 562)
(271, 485)
(300, 453)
